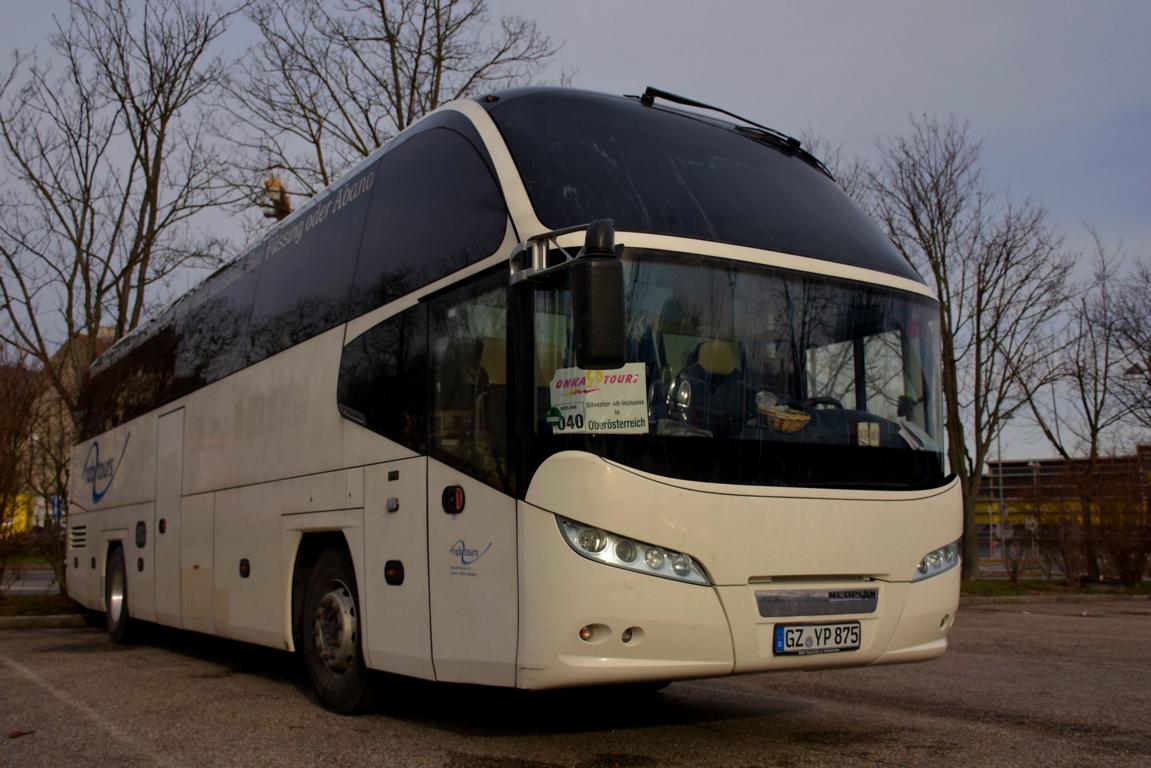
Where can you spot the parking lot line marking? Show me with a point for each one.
(71, 701)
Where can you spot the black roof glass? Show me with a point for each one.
(585, 156)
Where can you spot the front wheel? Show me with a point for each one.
(331, 635)
(119, 619)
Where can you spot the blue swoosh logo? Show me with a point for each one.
(467, 556)
(92, 464)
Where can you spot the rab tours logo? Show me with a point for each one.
(99, 474)
(587, 382)
(467, 557)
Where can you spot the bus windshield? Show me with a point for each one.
(748, 374)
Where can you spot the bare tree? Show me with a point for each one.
(1124, 535)
(996, 269)
(1133, 338)
(108, 161)
(18, 389)
(1084, 367)
(329, 83)
(850, 173)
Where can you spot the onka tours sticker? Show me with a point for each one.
(599, 401)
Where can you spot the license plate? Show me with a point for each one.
(810, 639)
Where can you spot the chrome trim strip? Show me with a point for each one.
(816, 602)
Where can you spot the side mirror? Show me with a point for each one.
(597, 300)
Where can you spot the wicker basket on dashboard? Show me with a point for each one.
(784, 419)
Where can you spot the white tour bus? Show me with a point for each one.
(448, 420)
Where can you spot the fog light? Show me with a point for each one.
(586, 634)
(626, 636)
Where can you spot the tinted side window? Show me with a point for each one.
(435, 208)
(307, 269)
(214, 330)
(383, 378)
(131, 386)
(468, 344)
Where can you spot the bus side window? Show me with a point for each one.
(214, 331)
(435, 208)
(131, 386)
(469, 380)
(383, 378)
(307, 273)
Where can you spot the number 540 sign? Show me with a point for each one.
(598, 401)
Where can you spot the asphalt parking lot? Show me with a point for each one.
(1063, 684)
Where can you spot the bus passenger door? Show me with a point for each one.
(166, 525)
(472, 557)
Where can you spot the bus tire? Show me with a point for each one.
(118, 616)
(331, 635)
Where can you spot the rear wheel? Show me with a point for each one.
(119, 619)
(331, 635)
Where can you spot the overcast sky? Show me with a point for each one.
(1059, 92)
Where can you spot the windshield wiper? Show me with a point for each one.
(756, 130)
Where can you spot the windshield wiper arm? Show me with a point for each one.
(651, 94)
(758, 132)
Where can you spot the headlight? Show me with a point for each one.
(937, 561)
(613, 549)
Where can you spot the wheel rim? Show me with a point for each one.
(336, 627)
(116, 593)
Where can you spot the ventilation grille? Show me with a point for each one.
(78, 536)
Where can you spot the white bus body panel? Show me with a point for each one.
(744, 534)
(472, 576)
(169, 487)
(84, 550)
(277, 419)
(397, 618)
(197, 565)
(246, 520)
(117, 473)
(750, 540)
(678, 630)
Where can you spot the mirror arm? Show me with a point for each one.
(529, 259)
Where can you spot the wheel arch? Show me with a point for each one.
(122, 628)
(311, 545)
(110, 547)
